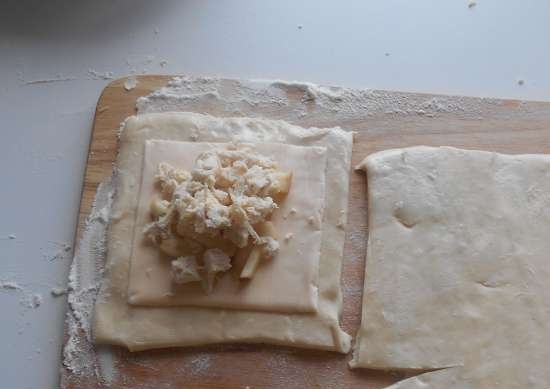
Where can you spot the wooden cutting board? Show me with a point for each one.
(389, 120)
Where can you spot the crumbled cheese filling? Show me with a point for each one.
(202, 218)
(185, 270)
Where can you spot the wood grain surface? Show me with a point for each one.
(507, 126)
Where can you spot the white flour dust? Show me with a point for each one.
(10, 285)
(49, 80)
(79, 356)
(106, 362)
(28, 298)
(192, 94)
(107, 75)
(32, 301)
(200, 364)
(60, 251)
(130, 83)
(58, 292)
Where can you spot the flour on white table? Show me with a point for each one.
(31, 301)
(43, 80)
(58, 292)
(49, 80)
(100, 75)
(10, 285)
(28, 300)
(61, 251)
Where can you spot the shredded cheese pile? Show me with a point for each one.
(218, 211)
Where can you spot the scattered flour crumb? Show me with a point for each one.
(521, 82)
(130, 83)
(163, 63)
(49, 80)
(36, 300)
(10, 285)
(201, 363)
(311, 220)
(300, 26)
(102, 109)
(12, 236)
(58, 292)
(32, 301)
(288, 236)
(472, 3)
(28, 300)
(100, 75)
(62, 252)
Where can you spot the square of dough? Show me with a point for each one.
(138, 328)
(288, 283)
(458, 268)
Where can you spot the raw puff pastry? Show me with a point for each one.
(458, 268)
(288, 283)
(116, 322)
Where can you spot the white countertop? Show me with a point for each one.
(426, 46)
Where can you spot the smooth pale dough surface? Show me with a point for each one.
(138, 328)
(458, 268)
(288, 283)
